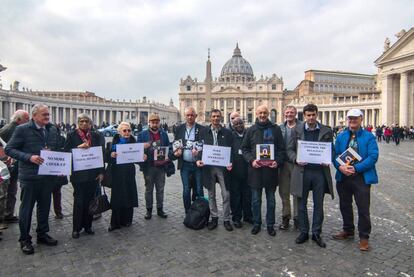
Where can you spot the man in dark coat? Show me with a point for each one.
(24, 146)
(215, 134)
(240, 193)
(306, 177)
(189, 133)
(263, 175)
(18, 118)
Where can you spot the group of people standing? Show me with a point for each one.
(241, 182)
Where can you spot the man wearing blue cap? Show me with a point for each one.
(355, 179)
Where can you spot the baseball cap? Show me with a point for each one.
(354, 113)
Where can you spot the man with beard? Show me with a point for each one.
(154, 170)
(215, 134)
(263, 175)
(310, 176)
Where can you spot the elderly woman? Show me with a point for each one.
(124, 195)
(84, 182)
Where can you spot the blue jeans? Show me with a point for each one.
(187, 170)
(257, 206)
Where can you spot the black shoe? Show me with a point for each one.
(75, 234)
(90, 231)
(148, 215)
(319, 241)
(161, 213)
(256, 229)
(11, 219)
(271, 231)
(227, 226)
(27, 247)
(303, 237)
(47, 240)
(285, 224)
(237, 224)
(212, 224)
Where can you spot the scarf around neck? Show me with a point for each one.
(85, 136)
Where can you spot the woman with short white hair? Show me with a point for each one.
(124, 195)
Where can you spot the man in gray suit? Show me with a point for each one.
(308, 176)
(286, 171)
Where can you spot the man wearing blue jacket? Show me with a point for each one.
(356, 179)
(154, 170)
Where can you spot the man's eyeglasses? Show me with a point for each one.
(190, 115)
(126, 131)
(84, 121)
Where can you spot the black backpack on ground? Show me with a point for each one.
(198, 214)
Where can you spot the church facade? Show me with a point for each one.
(236, 89)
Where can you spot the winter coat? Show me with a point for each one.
(72, 141)
(263, 176)
(367, 149)
(124, 186)
(296, 181)
(26, 141)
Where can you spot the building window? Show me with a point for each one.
(188, 88)
(273, 86)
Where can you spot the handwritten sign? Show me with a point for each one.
(216, 155)
(314, 152)
(55, 163)
(90, 158)
(129, 153)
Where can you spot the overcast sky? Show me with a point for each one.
(127, 49)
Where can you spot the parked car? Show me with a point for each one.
(109, 131)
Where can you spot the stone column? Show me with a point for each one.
(331, 119)
(404, 99)
(225, 111)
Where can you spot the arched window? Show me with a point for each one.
(273, 115)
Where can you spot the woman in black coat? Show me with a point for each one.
(84, 182)
(124, 196)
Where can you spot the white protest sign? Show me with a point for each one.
(129, 153)
(55, 163)
(216, 155)
(314, 152)
(84, 159)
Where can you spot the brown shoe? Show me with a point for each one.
(343, 235)
(363, 245)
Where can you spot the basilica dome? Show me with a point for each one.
(237, 68)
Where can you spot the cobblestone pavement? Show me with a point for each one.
(164, 247)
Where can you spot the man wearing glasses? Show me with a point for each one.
(355, 179)
(24, 146)
(189, 133)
